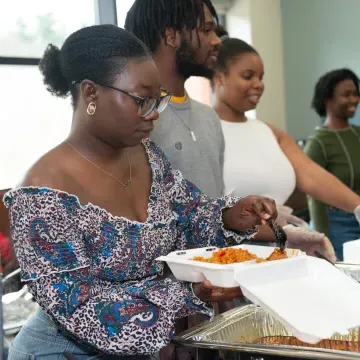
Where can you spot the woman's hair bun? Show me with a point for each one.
(50, 67)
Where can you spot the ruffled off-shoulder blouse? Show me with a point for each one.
(95, 274)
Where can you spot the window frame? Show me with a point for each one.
(105, 13)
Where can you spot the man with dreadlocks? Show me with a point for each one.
(181, 35)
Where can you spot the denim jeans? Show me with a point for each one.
(40, 339)
(343, 228)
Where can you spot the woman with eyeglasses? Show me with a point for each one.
(262, 159)
(93, 214)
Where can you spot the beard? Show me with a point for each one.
(186, 63)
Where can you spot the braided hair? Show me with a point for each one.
(96, 53)
(149, 19)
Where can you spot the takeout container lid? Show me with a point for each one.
(311, 297)
(351, 251)
(188, 270)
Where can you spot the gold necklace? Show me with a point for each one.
(125, 185)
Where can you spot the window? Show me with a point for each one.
(26, 27)
(122, 7)
(32, 121)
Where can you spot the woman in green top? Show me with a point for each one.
(336, 147)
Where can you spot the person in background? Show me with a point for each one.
(181, 35)
(222, 33)
(93, 214)
(335, 146)
(259, 157)
(186, 43)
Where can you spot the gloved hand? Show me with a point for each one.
(309, 241)
(357, 213)
(285, 217)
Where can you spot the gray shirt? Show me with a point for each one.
(200, 162)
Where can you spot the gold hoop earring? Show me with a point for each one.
(91, 108)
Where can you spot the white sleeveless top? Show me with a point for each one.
(254, 163)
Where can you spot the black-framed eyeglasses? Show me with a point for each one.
(146, 104)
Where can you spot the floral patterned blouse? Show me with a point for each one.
(95, 274)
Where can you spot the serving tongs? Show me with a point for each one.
(280, 235)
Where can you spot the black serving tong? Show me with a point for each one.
(280, 235)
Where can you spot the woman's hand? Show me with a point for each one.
(208, 293)
(248, 212)
(309, 241)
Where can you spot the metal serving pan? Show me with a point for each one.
(237, 329)
(353, 270)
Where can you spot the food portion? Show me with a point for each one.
(353, 346)
(231, 256)
(275, 255)
(227, 256)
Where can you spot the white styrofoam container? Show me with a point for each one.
(351, 251)
(311, 297)
(219, 275)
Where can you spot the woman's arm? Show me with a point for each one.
(318, 210)
(135, 317)
(312, 179)
(203, 221)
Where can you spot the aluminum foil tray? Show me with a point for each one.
(237, 329)
(351, 270)
(17, 309)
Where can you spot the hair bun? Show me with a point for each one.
(50, 67)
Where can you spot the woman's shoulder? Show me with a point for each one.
(356, 128)
(331, 137)
(156, 155)
(48, 171)
(43, 182)
(321, 133)
(163, 172)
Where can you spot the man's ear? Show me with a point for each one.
(172, 38)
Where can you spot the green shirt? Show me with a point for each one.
(338, 151)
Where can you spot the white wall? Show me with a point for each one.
(259, 23)
(238, 20)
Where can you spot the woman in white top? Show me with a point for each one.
(260, 158)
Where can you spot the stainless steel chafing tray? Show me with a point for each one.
(237, 329)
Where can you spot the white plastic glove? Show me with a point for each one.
(309, 241)
(357, 213)
(285, 217)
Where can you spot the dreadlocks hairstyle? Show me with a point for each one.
(222, 33)
(324, 88)
(96, 53)
(148, 19)
(229, 50)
